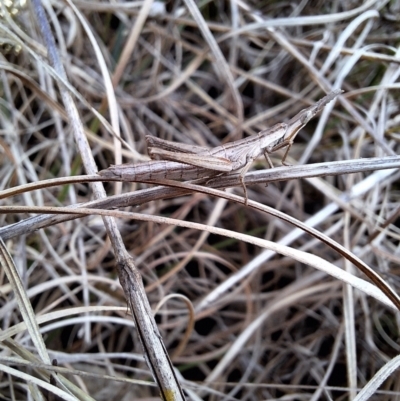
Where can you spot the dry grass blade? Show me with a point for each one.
(31, 324)
(370, 389)
(222, 66)
(267, 313)
(386, 295)
(53, 389)
(25, 307)
(283, 173)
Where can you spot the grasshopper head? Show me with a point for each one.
(304, 116)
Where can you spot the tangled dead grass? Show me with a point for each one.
(239, 322)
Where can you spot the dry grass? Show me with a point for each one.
(239, 322)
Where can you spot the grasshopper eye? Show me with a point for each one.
(307, 117)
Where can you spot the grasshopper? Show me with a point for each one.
(183, 162)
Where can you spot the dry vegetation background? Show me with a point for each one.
(263, 326)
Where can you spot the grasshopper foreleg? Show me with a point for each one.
(243, 172)
(289, 145)
(268, 151)
(268, 159)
